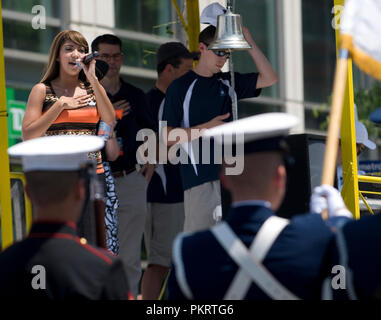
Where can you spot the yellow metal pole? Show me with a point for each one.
(369, 179)
(350, 190)
(366, 204)
(193, 31)
(192, 28)
(5, 188)
(185, 26)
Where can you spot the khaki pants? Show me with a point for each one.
(199, 203)
(132, 212)
(164, 222)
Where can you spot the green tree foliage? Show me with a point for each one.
(368, 100)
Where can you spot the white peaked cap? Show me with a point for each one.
(362, 136)
(56, 153)
(255, 128)
(211, 12)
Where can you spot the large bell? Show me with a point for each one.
(229, 33)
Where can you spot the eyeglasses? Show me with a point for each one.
(108, 57)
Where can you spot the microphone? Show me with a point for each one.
(101, 67)
(87, 59)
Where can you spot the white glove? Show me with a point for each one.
(326, 197)
(217, 213)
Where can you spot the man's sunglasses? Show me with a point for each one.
(220, 53)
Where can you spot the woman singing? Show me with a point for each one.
(68, 99)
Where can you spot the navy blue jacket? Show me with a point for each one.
(295, 259)
(364, 259)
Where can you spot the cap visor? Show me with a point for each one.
(370, 144)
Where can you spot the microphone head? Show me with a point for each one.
(87, 59)
(101, 68)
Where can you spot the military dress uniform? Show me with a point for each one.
(203, 269)
(53, 262)
(72, 268)
(356, 248)
(253, 254)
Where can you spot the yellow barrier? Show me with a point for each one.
(5, 182)
(350, 192)
(366, 203)
(368, 179)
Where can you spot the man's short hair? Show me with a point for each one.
(172, 53)
(44, 189)
(106, 38)
(207, 35)
(174, 62)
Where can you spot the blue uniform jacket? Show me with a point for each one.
(295, 259)
(363, 250)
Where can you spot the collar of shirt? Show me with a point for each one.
(248, 215)
(53, 227)
(242, 203)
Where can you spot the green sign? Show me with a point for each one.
(16, 110)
